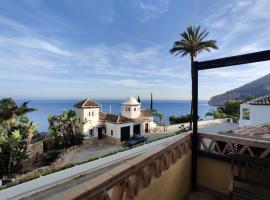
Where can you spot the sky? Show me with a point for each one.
(111, 49)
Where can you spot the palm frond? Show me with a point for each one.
(192, 42)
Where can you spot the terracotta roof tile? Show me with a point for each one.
(264, 100)
(261, 132)
(86, 103)
(146, 113)
(113, 118)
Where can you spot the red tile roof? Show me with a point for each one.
(146, 113)
(113, 118)
(86, 103)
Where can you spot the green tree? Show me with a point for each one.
(13, 150)
(250, 97)
(64, 129)
(192, 42)
(11, 113)
(138, 99)
(230, 109)
(16, 132)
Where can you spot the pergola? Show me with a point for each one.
(211, 64)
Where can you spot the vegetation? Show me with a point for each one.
(250, 97)
(180, 119)
(182, 129)
(16, 133)
(50, 156)
(138, 99)
(230, 109)
(159, 115)
(192, 43)
(64, 130)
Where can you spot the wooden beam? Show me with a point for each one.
(194, 128)
(234, 60)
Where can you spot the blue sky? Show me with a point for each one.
(64, 49)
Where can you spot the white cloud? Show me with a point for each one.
(152, 8)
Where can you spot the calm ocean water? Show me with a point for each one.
(167, 107)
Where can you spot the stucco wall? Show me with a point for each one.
(117, 129)
(214, 174)
(112, 127)
(91, 118)
(259, 114)
(173, 184)
(130, 111)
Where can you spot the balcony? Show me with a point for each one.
(165, 173)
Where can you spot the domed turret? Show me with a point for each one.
(131, 108)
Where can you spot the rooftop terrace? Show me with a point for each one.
(194, 165)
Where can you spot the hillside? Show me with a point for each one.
(258, 87)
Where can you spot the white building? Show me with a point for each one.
(117, 128)
(254, 112)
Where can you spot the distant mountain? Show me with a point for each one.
(259, 87)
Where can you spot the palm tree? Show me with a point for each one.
(192, 43)
(10, 111)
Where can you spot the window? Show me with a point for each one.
(92, 113)
(89, 114)
(128, 109)
(91, 133)
(134, 109)
(245, 114)
(111, 132)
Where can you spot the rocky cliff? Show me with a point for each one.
(258, 88)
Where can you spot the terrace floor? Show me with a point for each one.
(202, 195)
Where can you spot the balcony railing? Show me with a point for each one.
(126, 180)
(222, 146)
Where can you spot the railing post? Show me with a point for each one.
(195, 126)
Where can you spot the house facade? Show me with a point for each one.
(117, 128)
(255, 112)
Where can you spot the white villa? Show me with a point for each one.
(255, 112)
(117, 128)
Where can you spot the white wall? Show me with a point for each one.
(259, 114)
(90, 117)
(131, 111)
(116, 128)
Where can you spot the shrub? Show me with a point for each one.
(180, 119)
(64, 130)
(51, 156)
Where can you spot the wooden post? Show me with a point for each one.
(195, 126)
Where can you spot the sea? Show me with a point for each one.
(55, 107)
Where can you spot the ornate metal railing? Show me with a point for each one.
(126, 180)
(223, 146)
